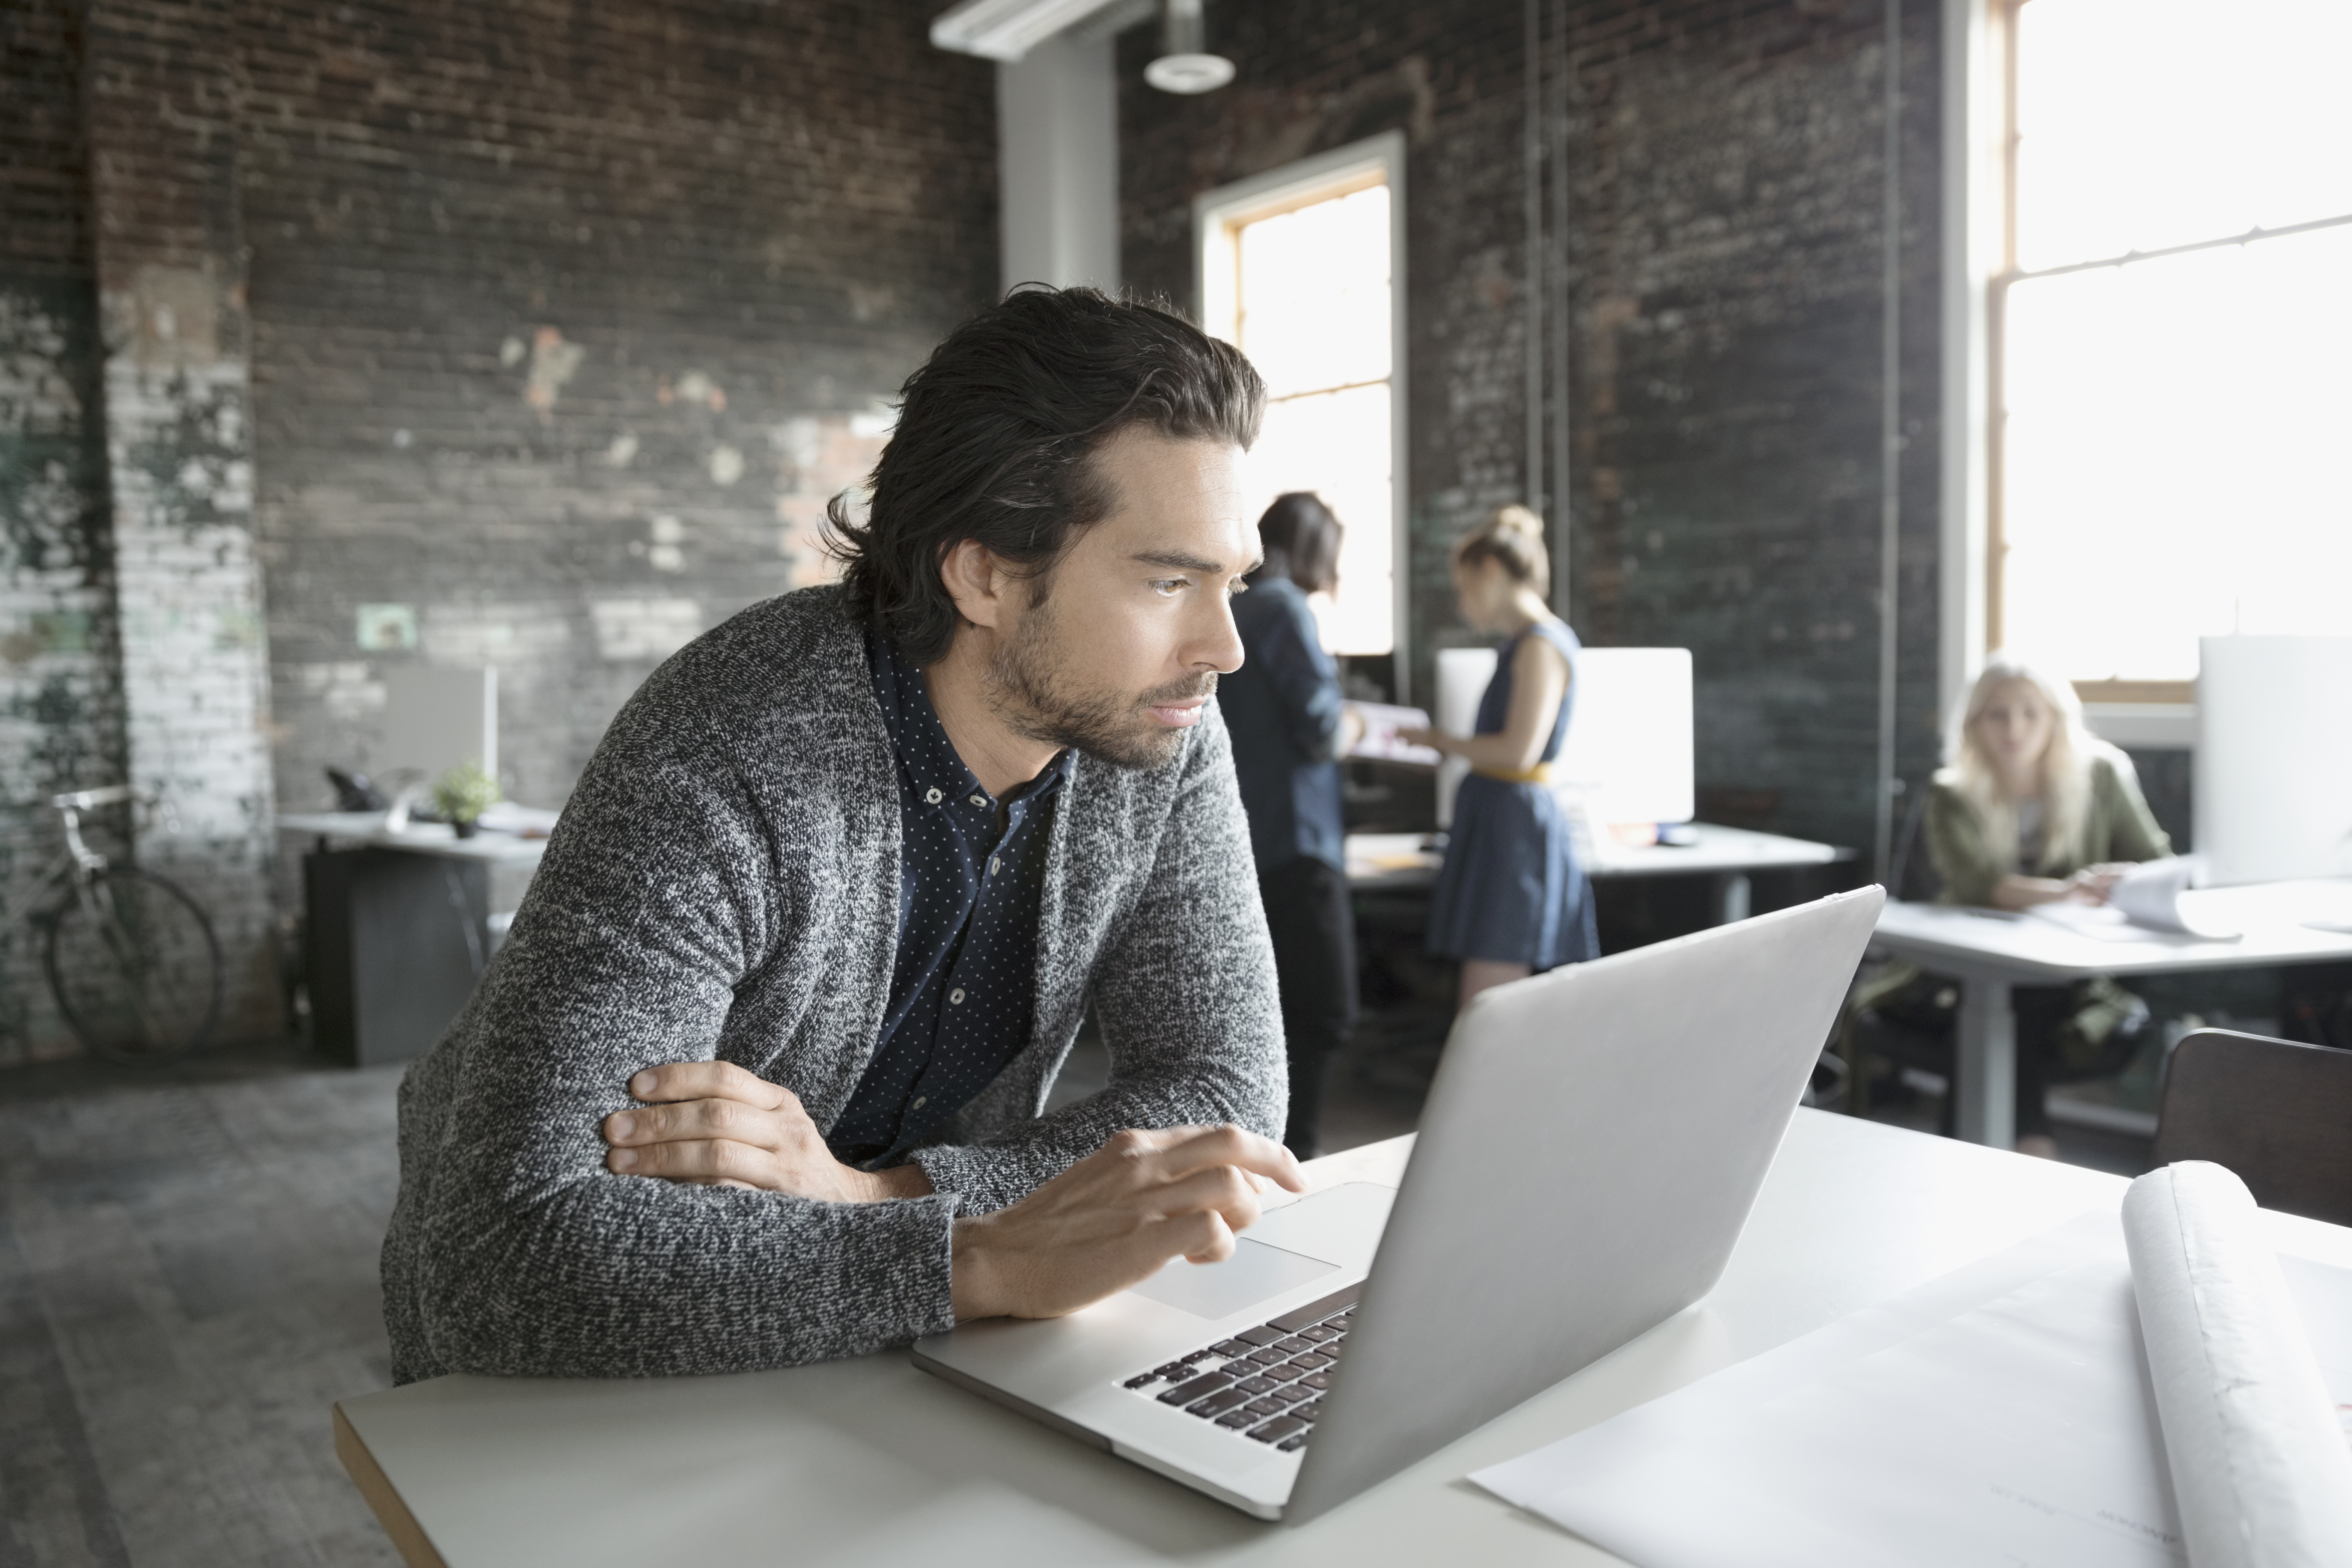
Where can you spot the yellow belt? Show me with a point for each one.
(1540, 774)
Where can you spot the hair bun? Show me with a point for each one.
(1513, 536)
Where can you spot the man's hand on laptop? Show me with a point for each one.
(1112, 1220)
(714, 1124)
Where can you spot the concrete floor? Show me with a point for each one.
(187, 1280)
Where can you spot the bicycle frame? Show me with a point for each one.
(80, 867)
(84, 870)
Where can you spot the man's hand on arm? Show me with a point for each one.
(1114, 1219)
(714, 1124)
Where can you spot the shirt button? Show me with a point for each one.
(980, 800)
(933, 796)
(993, 862)
(955, 996)
(920, 1101)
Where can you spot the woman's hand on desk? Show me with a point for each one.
(1114, 1219)
(2091, 884)
(713, 1125)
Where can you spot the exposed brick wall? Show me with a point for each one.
(569, 321)
(1722, 248)
(552, 328)
(60, 717)
(1726, 229)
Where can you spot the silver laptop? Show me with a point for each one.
(1590, 1150)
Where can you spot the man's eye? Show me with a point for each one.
(1166, 586)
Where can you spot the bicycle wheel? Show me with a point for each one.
(135, 968)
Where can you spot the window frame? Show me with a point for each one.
(1980, 267)
(2143, 699)
(1219, 214)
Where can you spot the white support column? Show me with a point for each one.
(1057, 164)
(179, 447)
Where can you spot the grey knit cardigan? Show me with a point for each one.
(724, 883)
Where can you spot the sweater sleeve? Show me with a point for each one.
(526, 1256)
(1184, 992)
(1956, 842)
(2132, 830)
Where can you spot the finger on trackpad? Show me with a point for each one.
(1256, 1272)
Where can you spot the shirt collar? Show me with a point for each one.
(928, 764)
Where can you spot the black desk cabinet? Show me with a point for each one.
(396, 941)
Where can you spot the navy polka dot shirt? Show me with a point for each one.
(971, 872)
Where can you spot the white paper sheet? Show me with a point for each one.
(2148, 903)
(2102, 922)
(2001, 1415)
(1380, 740)
(2251, 1433)
(2152, 895)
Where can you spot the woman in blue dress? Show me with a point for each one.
(1510, 900)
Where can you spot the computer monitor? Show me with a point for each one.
(1628, 756)
(2273, 769)
(433, 719)
(1629, 749)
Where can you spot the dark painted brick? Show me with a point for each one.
(1722, 275)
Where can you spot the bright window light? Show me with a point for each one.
(1308, 299)
(2172, 454)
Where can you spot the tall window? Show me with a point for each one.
(2173, 333)
(1300, 270)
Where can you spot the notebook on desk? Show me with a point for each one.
(1591, 1148)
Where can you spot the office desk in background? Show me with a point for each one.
(398, 928)
(1727, 856)
(1990, 953)
(868, 1460)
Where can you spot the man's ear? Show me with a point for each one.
(976, 580)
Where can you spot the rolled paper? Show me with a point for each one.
(2261, 1473)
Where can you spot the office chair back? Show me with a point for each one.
(1912, 876)
(2277, 1113)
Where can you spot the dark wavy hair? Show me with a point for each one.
(997, 436)
(1301, 540)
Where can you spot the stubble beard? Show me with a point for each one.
(1026, 686)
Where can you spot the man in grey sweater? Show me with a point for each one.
(759, 1077)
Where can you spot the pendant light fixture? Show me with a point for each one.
(1185, 65)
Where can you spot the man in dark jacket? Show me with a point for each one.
(759, 1077)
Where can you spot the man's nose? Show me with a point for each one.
(1217, 644)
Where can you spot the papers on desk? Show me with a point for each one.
(2003, 1415)
(1381, 721)
(2151, 902)
(2156, 894)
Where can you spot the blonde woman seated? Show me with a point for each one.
(2033, 810)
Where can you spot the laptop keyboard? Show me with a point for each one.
(1265, 1382)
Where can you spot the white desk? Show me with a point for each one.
(346, 828)
(870, 1460)
(1385, 861)
(1990, 951)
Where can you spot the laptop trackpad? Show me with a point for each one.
(1254, 1273)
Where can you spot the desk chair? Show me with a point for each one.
(2277, 1113)
(1926, 1045)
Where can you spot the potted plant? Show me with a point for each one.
(461, 796)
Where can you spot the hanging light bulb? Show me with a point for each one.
(1184, 64)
